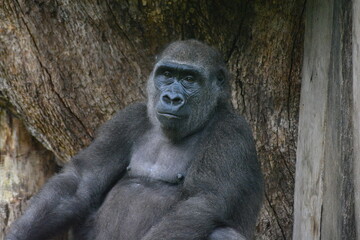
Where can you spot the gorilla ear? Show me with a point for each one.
(221, 77)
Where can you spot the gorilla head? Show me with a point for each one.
(188, 81)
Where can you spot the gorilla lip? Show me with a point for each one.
(169, 115)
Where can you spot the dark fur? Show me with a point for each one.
(150, 178)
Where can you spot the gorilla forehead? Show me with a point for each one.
(192, 52)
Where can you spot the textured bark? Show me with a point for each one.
(67, 66)
(327, 166)
(24, 166)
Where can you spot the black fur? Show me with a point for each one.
(183, 166)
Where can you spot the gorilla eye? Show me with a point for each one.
(189, 79)
(167, 74)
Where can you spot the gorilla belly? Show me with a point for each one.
(131, 208)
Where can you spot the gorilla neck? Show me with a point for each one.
(175, 135)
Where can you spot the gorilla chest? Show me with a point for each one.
(158, 159)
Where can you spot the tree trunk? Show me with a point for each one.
(24, 166)
(67, 66)
(327, 167)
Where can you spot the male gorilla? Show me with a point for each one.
(183, 166)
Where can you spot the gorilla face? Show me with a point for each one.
(185, 87)
(181, 89)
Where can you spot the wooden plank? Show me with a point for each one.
(310, 153)
(356, 108)
(338, 219)
(324, 188)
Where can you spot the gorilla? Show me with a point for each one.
(182, 166)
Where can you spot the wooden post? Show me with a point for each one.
(310, 152)
(356, 109)
(328, 142)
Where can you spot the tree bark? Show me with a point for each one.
(67, 66)
(25, 165)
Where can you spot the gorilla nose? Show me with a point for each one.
(174, 99)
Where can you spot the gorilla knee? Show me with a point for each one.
(226, 233)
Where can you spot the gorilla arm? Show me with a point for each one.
(224, 188)
(69, 196)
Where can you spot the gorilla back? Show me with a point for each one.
(182, 166)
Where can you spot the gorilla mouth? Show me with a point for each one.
(169, 115)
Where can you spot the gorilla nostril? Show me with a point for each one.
(177, 101)
(166, 99)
